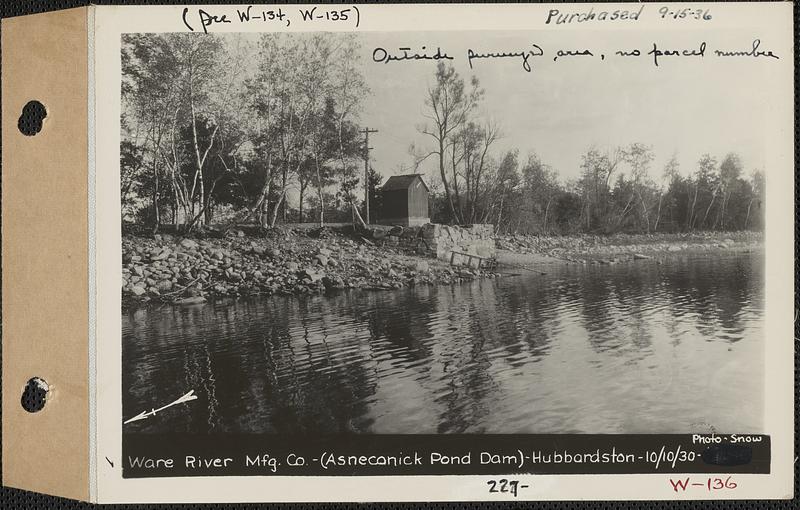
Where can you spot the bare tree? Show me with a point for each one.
(449, 106)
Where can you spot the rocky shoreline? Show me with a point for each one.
(165, 268)
(618, 248)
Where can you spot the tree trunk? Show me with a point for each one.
(300, 208)
(319, 192)
(690, 218)
(747, 218)
(156, 211)
(658, 213)
(710, 205)
(455, 217)
(546, 209)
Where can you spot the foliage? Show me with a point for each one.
(213, 122)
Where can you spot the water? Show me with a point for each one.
(632, 348)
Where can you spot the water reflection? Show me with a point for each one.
(632, 348)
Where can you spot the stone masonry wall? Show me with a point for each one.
(440, 241)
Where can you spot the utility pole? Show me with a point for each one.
(366, 132)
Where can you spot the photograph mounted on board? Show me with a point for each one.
(434, 233)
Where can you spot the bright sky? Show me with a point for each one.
(558, 110)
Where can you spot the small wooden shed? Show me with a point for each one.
(405, 201)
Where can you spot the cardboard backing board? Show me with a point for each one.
(45, 253)
(64, 287)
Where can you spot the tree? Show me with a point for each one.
(449, 105)
(639, 157)
(183, 89)
(374, 180)
(756, 198)
(594, 186)
(729, 172)
(670, 174)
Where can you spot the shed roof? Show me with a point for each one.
(397, 182)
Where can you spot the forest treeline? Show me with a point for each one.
(221, 129)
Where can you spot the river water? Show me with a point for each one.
(633, 348)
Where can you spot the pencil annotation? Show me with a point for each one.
(526, 56)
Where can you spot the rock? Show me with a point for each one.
(639, 256)
(332, 283)
(422, 266)
(164, 286)
(674, 247)
(325, 252)
(312, 276)
(138, 270)
(162, 254)
(292, 266)
(322, 259)
(138, 291)
(189, 244)
(273, 253)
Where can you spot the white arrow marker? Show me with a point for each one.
(152, 412)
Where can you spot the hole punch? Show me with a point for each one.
(32, 118)
(34, 397)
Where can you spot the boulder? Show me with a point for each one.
(312, 276)
(164, 286)
(189, 244)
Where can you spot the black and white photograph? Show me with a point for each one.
(438, 233)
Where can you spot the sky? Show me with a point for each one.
(685, 107)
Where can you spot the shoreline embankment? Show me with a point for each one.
(166, 268)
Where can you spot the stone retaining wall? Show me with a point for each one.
(440, 241)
